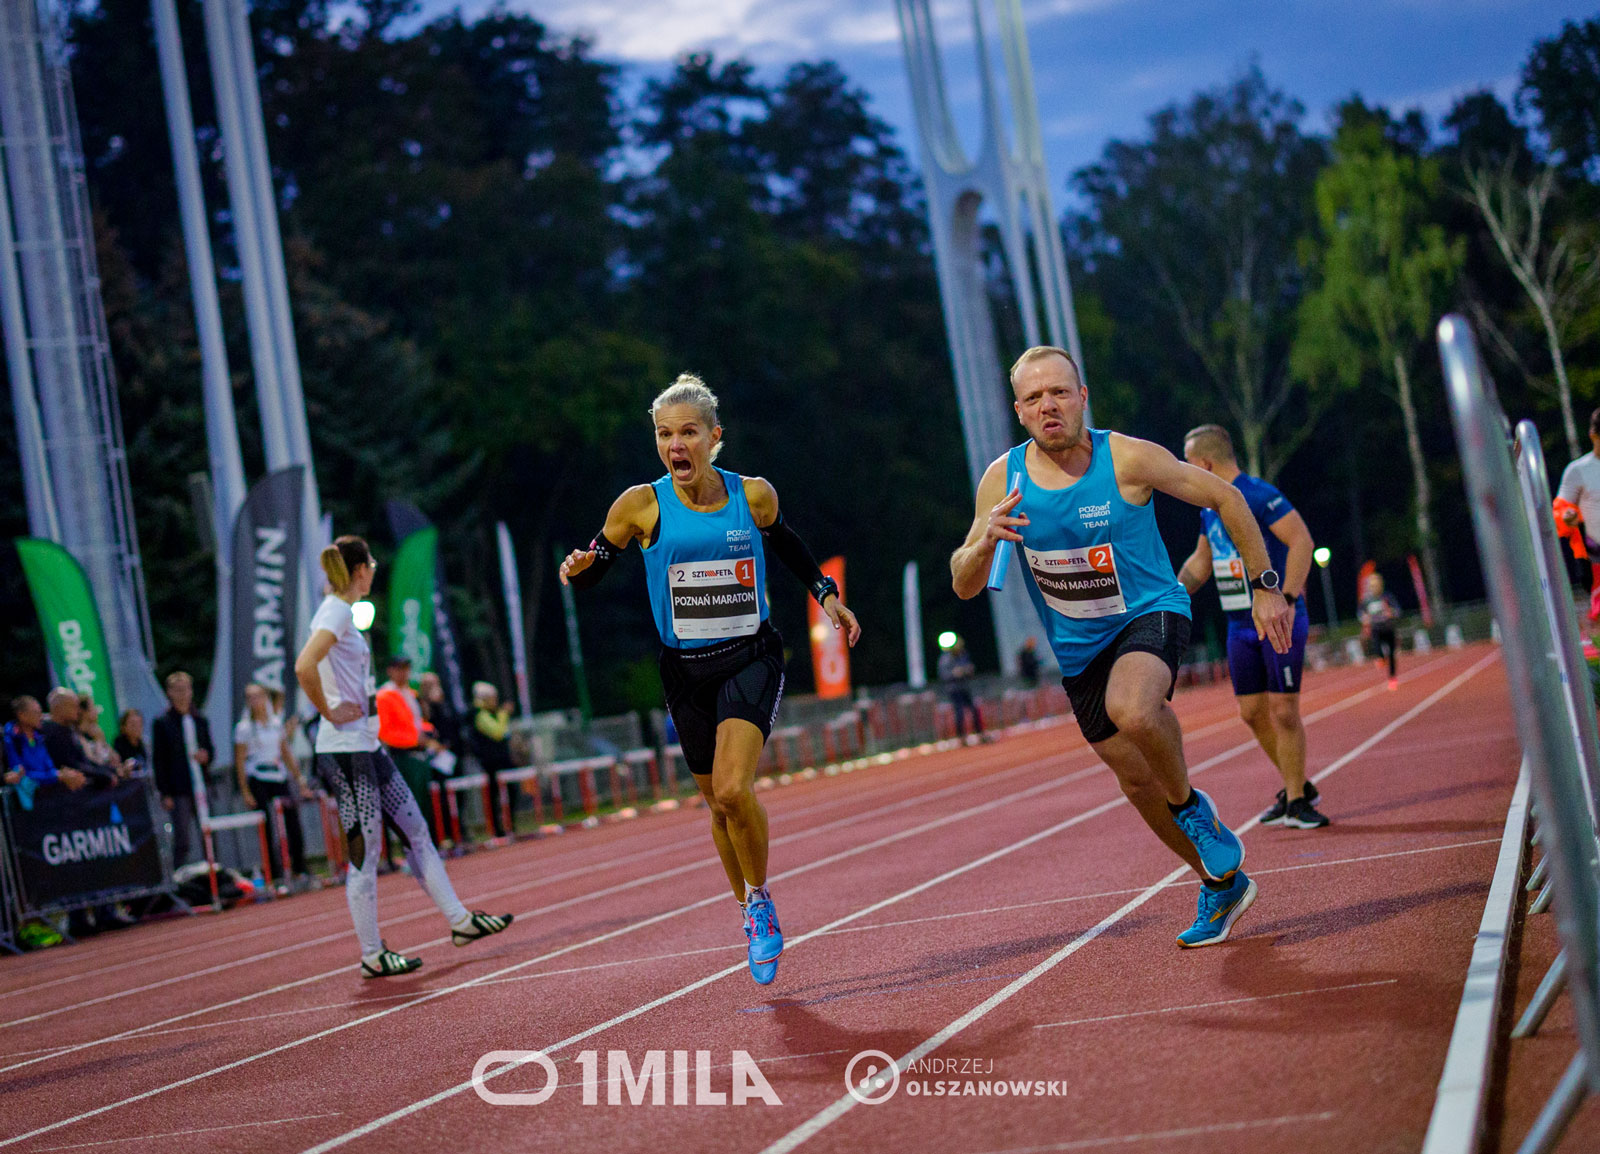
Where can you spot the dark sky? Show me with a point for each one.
(1101, 66)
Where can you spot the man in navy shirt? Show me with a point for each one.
(1265, 683)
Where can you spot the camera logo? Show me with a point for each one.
(871, 1077)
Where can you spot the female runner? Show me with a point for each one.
(721, 659)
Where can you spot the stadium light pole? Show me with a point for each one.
(1322, 555)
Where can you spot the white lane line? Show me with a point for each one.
(720, 896)
(676, 954)
(1212, 1005)
(646, 880)
(1164, 1135)
(915, 831)
(830, 1114)
(708, 980)
(831, 927)
(428, 909)
(183, 1133)
(155, 1029)
(637, 1011)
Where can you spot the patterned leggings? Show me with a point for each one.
(371, 794)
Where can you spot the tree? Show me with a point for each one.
(1382, 269)
(1559, 277)
(1561, 81)
(1199, 222)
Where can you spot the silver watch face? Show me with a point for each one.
(1268, 579)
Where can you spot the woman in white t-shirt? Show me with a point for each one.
(265, 763)
(335, 671)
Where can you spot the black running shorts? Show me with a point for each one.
(1164, 634)
(741, 677)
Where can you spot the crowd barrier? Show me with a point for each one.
(1509, 495)
(71, 850)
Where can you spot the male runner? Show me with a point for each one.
(1266, 684)
(1116, 617)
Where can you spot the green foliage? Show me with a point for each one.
(1384, 269)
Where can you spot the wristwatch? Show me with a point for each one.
(1267, 580)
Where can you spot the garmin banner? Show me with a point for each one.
(70, 620)
(406, 520)
(411, 586)
(266, 549)
(71, 846)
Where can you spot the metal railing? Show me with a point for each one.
(1555, 716)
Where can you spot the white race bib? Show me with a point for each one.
(713, 599)
(1233, 584)
(1080, 583)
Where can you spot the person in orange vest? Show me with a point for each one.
(407, 736)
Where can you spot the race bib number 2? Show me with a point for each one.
(714, 599)
(1233, 585)
(1080, 583)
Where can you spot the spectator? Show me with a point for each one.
(181, 750)
(443, 717)
(27, 758)
(1028, 661)
(93, 738)
(408, 736)
(264, 763)
(129, 742)
(956, 670)
(60, 733)
(490, 745)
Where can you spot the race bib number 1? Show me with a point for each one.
(1080, 583)
(1232, 583)
(713, 599)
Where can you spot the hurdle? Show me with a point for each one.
(210, 825)
(1556, 728)
(632, 759)
(584, 769)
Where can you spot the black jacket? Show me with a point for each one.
(169, 756)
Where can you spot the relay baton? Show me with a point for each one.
(1002, 549)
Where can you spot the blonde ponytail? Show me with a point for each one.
(333, 566)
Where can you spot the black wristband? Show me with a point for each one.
(605, 555)
(822, 587)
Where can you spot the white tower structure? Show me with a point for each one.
(1008, 174)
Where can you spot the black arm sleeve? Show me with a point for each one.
(605, 556)
(786, 545)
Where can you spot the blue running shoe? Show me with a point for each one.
(766, 939)
(1219, 909)
(1220, 850)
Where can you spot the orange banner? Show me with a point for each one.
(830, 652)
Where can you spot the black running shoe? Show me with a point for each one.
(389, 965)
(481, 927)
(1280, 806)
(1301, 814)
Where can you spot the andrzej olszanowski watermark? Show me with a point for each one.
(663, 1076)
(872, 1078)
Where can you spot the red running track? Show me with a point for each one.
(999, 904)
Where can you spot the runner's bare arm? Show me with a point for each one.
(1196, 571)
(1143, 467)
(305, 672)
(991, 523)
(632, 515)
(1292, 530)
(785, 544)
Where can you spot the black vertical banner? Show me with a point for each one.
(404, 520)
(266, 549)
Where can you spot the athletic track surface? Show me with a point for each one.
(1001, 903)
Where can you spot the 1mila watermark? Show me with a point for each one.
(664, 1076)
